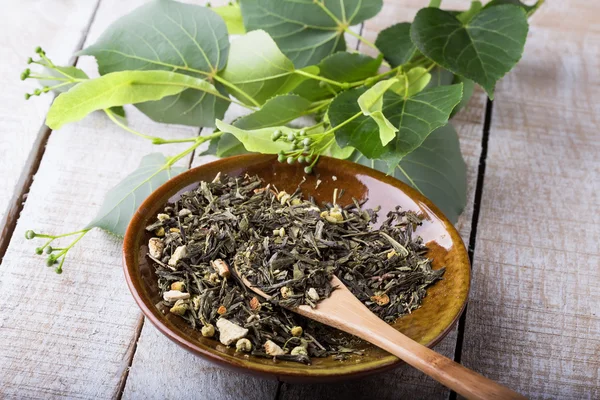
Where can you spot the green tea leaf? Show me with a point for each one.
(232, 15)
(395, 44)
(303, 30)
(416, 117)
(117, 89)
(259, 69)
(411, 83)
(258, 140)
(483, 50)
(436, 169)
(167, 35)
(371, 105)
(277, 111)
(340, 67)
(125, 198)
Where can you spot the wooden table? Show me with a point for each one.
(532, 226)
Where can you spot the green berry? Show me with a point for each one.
(29, 60)
(25, 74)
(307, 142)
(49, 250)
(290, 160)
(302, 133)
(39, 250)
(276, 135)
(29, 234)
(27, 96)
(38, 50)
(307, 169)
(307, 159)
(281, 158)
(58, 270)
(291, 137)
(51, 260)
(301, 159)
(37, 92)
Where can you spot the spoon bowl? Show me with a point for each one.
(427, 325)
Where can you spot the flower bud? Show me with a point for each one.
(29, 60)
(290, 160)
(281, 158)
(39, 250)
(291, 137)
(308, 169)
(51, 260)
(307, 142)
(49, 250)
(301, 159)
(29, 234)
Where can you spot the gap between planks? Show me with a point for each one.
(474, 222)
(9, 222)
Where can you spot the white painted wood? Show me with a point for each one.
(534, 316)
(72, 335)
(58, 26)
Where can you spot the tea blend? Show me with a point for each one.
(289, 247)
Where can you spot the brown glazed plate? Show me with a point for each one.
(441, 308)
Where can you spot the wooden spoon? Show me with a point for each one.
(342, 310)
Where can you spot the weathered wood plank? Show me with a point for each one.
(533, 321)
(406, 382)
(59, 27)
(72, 335)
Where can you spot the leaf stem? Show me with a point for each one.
(153, 139)
(360, 38)
(230, 85)
(201, 139)
(328, 12)
(321, 78)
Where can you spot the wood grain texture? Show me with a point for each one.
(72, 335)
(59, 27)
(534, 316)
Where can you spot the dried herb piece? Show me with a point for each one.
(289, 247)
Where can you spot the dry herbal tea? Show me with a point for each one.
(289, 247)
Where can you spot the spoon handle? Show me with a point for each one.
(444, 370)
(345, 312)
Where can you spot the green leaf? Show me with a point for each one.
(125, 198)
(395, 44)
(528, 9)
(441, 76)
(167, 35)
(259, 69)
(303, 30)
(117, 89)
(411, 83)
(416, 117)
(229, 146)
(335, 151)
(232, 15)
(473, 10)
(371, 105)
(277, 111)
(468, 88)
(73, 72)
(483, 50)
(340, 67)
(257, 140)
(436, 169)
